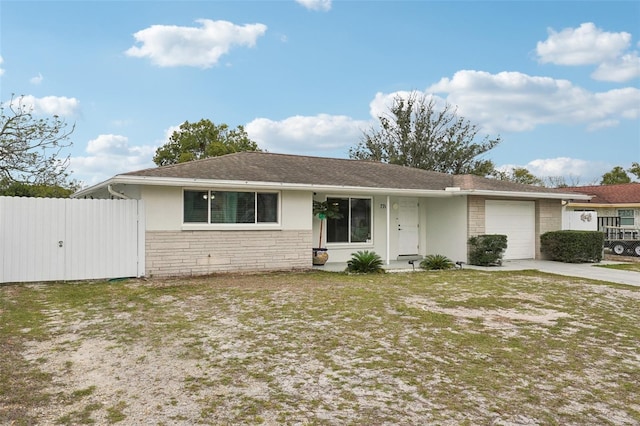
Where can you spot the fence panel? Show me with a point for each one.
(580, 220)
(44, 239)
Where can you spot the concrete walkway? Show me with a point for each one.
(582, 270)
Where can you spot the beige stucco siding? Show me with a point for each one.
(446, 227)
(164, 211)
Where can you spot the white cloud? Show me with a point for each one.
(516, 102)
(622, 69)
(37, 79)
(109, 155)
(1, 69)
(171, 45)
(589, 45)
(573, 171)
(311, 135)
(321, 5)
(581, 46)
(50, 105)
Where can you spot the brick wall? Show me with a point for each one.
(172, 253)
(548, 218)
(476, 216)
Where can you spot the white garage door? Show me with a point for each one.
(516, 220)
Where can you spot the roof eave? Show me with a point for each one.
(90, 189)
(231, 184)
(525, 194)
(605, 205)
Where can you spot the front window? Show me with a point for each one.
(355, 224)
(626, 217)
(224, 207)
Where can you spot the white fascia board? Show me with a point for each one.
(90, 189)
(521, 194)
(234, 184)
(605, 205)
(334, 189)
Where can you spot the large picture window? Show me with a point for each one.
(230, 207)
(355, 224)
(626, 217)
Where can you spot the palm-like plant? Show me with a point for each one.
(325, 210)
(365, 262)
(436, 261)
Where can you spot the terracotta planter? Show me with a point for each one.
(320, 256)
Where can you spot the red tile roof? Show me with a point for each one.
(623, 193)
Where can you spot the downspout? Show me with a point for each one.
(116, 194)
(388, 229)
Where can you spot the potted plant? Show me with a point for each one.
(323, 210)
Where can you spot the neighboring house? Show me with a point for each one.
(615, 205)
(252, 211)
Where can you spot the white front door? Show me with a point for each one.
(408, 235)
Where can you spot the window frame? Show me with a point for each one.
(630, 217)
(369, 241)
(255, 225)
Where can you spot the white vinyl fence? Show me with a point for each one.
(46, 239)
(580, 221)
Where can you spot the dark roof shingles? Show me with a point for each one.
(295, 169)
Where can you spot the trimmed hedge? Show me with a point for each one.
(572, 246)
(487, 250)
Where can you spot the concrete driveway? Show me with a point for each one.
(582, 270)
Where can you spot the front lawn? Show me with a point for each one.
(448, 347)
(623, 266)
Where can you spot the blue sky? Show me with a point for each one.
(558, 81)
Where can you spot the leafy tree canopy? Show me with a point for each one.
(635, 169)
(616, 175)
(30, 146)
(519, 175)
(414, 133)
(195, 141)
(20, 189)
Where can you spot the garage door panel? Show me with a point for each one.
(516, 220)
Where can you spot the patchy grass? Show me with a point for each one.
(447, 347)
(624, 266)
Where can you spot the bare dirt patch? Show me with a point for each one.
(452, 348)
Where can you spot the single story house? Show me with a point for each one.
(253, 211)
(615, 205)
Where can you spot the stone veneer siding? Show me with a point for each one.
(548, 217)
(174, 253)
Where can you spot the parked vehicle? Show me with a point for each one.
(622, 241)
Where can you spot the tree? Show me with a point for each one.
(519, 175)
(195, 141)
(20, 189)
(415, 134)
(635, 169)
(616, 175)
(30, 146)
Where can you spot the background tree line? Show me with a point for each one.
(414, 132)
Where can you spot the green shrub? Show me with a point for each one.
(436, 261)
(365, 262)
(487, 250)
(572, 246)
